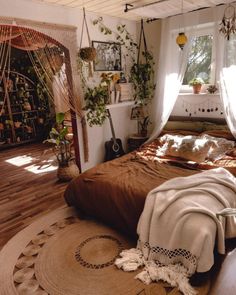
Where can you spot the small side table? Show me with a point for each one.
(135, 141)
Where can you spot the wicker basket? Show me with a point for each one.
(87, 54)
(66, 173)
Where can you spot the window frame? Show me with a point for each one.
(208, 30)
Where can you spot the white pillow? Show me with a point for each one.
(194, 148)
(219, 146)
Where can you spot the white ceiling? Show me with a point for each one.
(161, 8)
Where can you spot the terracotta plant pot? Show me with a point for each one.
(17, 124)
(197, 88)
(27, 106)
(29, 129)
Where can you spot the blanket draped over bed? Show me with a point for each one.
(178, 228)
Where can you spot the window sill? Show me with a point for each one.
(200, 94)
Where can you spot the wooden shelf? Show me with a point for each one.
(7, 145)
(120, 104)
(14, 136)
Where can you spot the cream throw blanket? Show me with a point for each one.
(178, 228)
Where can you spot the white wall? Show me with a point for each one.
(198, 105)
(121, 114)
(35, 11)
(73, 16)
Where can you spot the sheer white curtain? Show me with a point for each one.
(171, 68)
(226, 76)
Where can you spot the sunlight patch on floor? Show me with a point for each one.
(37, 166)
(20, 160)
(42, 168)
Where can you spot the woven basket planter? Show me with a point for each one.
(68, 172)
(87, 54)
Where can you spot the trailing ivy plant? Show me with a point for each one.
(142, 77)
(95, 104)
(102, 27)
(126, 39)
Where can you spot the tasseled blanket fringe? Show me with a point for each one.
(174, 274)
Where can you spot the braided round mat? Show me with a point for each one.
(62, 254)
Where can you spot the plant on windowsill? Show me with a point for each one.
(212, 89)
(61, 140)
(196, 83)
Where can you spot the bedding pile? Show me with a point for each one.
(178, 228)
(194, 148)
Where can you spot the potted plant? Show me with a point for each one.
(141, 75)
(196, 83)
(212, 89)
(143, 125)
(95, 104)
(60, 138)
(87, 54)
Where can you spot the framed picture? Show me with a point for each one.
(108, 56)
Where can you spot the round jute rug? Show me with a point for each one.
(60, 254)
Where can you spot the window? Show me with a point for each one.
(199, 59)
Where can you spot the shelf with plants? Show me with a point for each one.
(21, 112)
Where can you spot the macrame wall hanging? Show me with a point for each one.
(87, 54)
(206, 107)
(228, 23)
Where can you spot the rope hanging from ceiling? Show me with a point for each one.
(87, 54)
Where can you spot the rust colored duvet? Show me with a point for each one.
(114, 192)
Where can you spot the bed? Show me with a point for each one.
(114, 192)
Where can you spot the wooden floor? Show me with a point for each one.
(27, 189)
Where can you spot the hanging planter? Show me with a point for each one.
(87, 54)
(142, 73)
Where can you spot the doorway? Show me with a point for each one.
(35, 83)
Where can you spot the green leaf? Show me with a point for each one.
(60, 117)
(50, 140)
(63, 132)
(54, 131)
